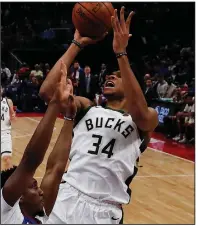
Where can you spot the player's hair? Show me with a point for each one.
(6, 174)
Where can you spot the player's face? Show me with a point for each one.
(113, 87)
(33, 198)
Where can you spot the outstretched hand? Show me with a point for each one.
(84, 41)
(63, 95)
(121, 30)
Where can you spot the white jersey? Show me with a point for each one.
(5, 115)
(13, 215)
(105, 147)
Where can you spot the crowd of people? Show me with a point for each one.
(169, 76)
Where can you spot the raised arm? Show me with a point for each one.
(33, 155)
(58, 159)
(49, 85)
(145, 117)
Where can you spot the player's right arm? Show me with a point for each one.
(36, 148)
(49, 85)
(57, 160)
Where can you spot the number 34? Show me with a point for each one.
(108, 149)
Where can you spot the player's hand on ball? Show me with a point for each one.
(121, 31)
(84, 41)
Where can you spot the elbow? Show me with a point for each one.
(148, 122)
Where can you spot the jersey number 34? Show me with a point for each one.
(107, 149)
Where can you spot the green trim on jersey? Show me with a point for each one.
(81, 114)
(121, 111)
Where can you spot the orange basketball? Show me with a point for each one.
(92, 19)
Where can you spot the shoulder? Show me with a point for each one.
(82, 102)
(10, 103)
(9, 214)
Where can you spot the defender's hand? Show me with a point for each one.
(121, 31)
(84, 41)
(64, 90)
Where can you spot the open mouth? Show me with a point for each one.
(109, 84)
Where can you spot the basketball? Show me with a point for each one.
(92, 19)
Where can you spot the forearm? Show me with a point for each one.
(36, 148)
(49, 85)
(136, 102)
(59, 156)
(56, 166)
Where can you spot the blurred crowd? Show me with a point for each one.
(168, 68)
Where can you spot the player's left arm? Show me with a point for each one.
(11, 107)
(145, 118)
(58, 158)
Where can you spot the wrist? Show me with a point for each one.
(69, 117)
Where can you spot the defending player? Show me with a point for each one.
(106, 142)
(7, 115)
(22, 201)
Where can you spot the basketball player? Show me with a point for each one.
(106, 141)
(22, 201)
(7, 115)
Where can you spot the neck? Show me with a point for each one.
(117, 104)
(27, 212)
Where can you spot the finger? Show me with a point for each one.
(114, 24)
(122, 20)
(117, 21)
(128, 21)
(130, 35)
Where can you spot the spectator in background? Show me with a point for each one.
(177, 97)
(184, 119)
(170, 88)
(76, 73)
(23, 71)
(147, 76)
(37, 72)
(5, 74)
(102, 75)
(46, 70)
(149, 93)
(162, 86)
(88, 84)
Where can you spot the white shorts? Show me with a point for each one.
(6, 144)
(73, 207)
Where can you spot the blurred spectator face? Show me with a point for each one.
(160, 78)
(169, 81)
(34, 80)
(47, 67)
(103, 67)
(87, 70)
(3, 65)
(76, 65)
(147, 76)
(148, 83)
(37, 68)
